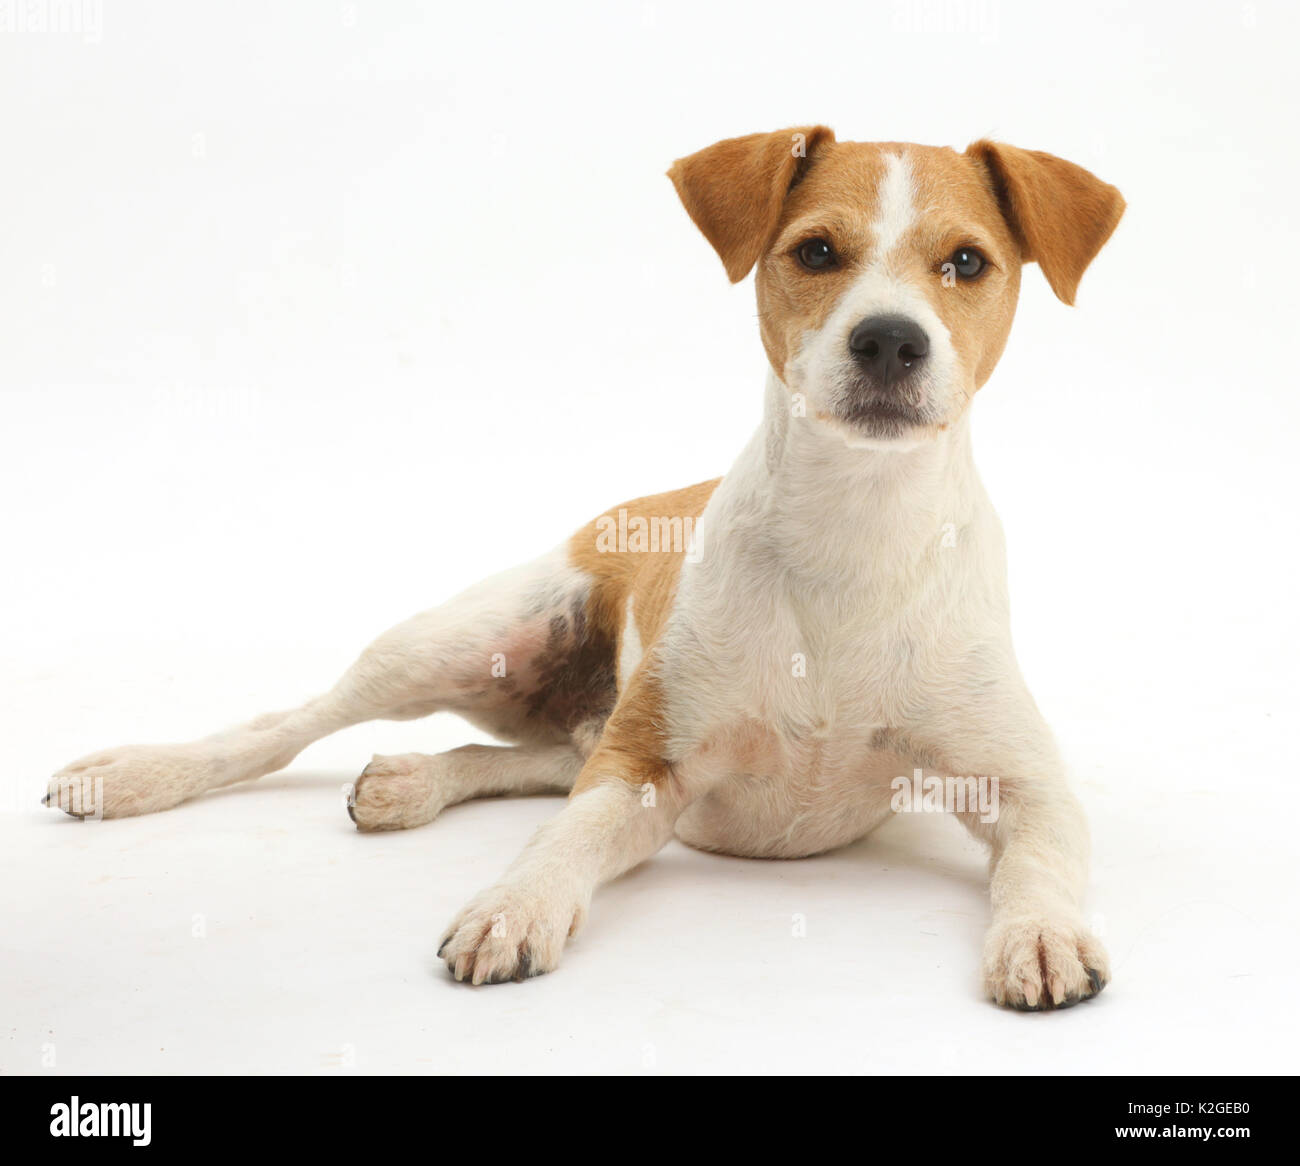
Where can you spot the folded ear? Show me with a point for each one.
(734, 190)
(1060, 214)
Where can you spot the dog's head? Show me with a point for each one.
(888, 273)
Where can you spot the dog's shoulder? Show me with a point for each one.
(633, 555)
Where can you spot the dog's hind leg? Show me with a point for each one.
(395, 793)
(501, 654)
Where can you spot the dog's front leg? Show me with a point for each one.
(1039, 953)
(619, 814)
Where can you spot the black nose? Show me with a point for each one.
(888, 348)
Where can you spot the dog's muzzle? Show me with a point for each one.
(885, 390)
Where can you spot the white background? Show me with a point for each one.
(314, 313)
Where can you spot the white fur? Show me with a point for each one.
(396, 793)
(895, 206)
(543, 898)
(630, 649)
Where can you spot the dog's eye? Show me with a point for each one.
(967, 262)
(816, 255)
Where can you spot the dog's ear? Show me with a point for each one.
(734, 190)
(1059, 213)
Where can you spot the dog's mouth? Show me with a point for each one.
(881, 417)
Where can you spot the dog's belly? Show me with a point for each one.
(773, 797)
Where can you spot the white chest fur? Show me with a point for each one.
(837, 593)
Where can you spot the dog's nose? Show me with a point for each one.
(888, 348)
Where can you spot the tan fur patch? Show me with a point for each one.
(1061, 214)
(734, 190)
(631, 746)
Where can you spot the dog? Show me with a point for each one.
(752, 662)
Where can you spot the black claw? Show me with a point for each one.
(1046, 1004)
(524, 969)
(45, 801)
(351, 812)
(443, 947)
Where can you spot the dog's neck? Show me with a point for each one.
(835, 512)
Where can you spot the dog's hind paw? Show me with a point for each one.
(134, 779)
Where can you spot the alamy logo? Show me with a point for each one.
(952, 795)
(653, 535)
(101, 1119)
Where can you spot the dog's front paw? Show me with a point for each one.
(1035, 964)
(511, 933)
(135, 779)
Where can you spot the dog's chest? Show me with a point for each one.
(824, 680)
(806, 677)
(803, 703)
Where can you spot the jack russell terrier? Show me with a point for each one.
(836, 617)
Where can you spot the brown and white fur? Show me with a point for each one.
(852, 534)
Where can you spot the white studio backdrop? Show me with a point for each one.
(314, 314)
